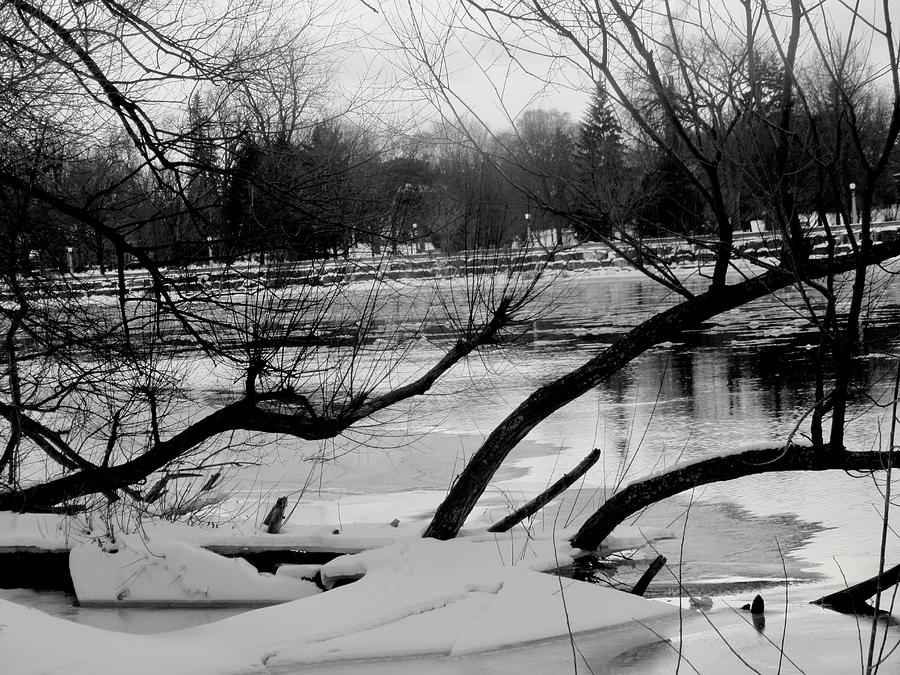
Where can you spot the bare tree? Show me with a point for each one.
(95, 397)
(726, 99)
(95, 400)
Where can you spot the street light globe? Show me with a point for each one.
(852, 186)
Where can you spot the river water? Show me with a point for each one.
(744, 379)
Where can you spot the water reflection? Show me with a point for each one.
(750, 364)
(745, 379)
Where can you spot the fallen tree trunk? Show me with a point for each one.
(853, 600)
(641, 586)
(533, 506)
(642, 493)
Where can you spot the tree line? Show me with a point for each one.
(274, 178)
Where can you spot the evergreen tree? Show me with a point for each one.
(201, 146)
(669, 201)
(600, 143)
(238, 221)
(601, 166)
(291, 199)
(202, 185)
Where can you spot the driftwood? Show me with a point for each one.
(853, 600)
(533, 506)
(641, 586)
(157, 490)
(209, 484)
(275, 517)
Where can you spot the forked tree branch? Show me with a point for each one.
(240, 415)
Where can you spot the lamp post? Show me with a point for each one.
(415, 233)
(527, 229)
(209, 251)
(70, 260)
(853, 203)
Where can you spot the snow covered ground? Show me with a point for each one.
(413, 597)
(134, 570)
(475, 604)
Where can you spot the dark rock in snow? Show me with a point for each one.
(758, 606)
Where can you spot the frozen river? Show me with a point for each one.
(745, 379)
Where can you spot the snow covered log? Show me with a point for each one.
(136, 571)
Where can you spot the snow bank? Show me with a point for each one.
(416, 596)
(530, 607)
(39, 530)
(429, 597)
(135, 571)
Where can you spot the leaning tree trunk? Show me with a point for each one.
(641, 494)
(667, 325)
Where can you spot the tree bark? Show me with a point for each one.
(667, 325)
(533, 506)
(643, 493)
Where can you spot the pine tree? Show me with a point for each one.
(600, 144)
(201, 149)
(202, 186)
(239, 227)
(600, 160)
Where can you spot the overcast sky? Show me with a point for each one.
(484, 80)
(482, 77)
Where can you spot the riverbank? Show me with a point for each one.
(815, 640)
(411, 597)
(243, 276)
(724, 551)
